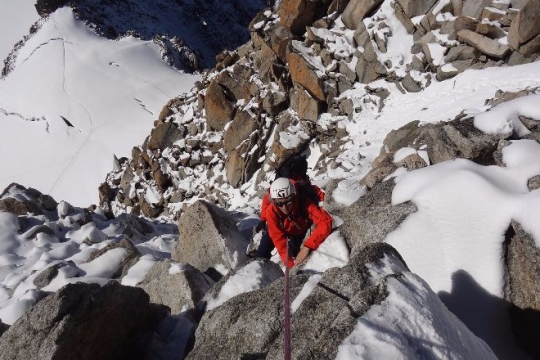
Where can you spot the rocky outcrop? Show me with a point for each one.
(210, 239)
(451, 140)
(114, 318)
(45, 7)
(20, 200)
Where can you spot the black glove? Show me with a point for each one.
(260, 226)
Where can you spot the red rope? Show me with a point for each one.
(287, 311)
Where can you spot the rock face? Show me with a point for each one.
(83, 321)
(253, 322)
(219, 109)
(297, 14)
(304, 73)
(210, 239)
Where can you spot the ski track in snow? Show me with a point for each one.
(141, 103)
(39, 47)
(79, 149)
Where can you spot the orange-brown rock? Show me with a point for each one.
(303, 73)
(297, 14)
(219, 110)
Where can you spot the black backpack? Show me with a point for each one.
(295, 167)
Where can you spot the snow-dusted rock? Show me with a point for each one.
(372, 217)
(165, 135)
(253, 276)
(178, 286)
(244, 123)
(307, 107)
(297, 14)
(45, 277)
(247, 324)
(524, 27)
(19, 200)
(304, 73)
(218, 108)
(209, 239)
(484, 44)
(356, 10)
(131, 256)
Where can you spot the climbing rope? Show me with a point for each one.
(287, 311)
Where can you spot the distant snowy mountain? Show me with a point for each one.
(190, 32)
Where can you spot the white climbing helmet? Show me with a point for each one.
(282, 188)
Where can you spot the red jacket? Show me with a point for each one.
(281, 225)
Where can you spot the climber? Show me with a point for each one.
(289, 214)
(295, 168)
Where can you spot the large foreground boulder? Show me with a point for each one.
(327, 310)
(84, 321)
